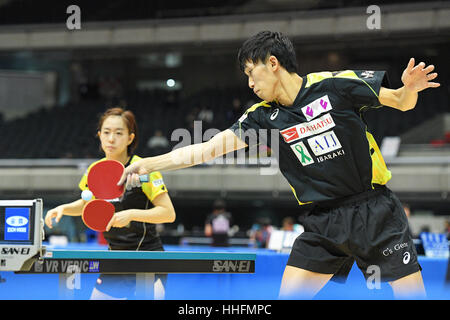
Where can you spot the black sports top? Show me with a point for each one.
(325, 150)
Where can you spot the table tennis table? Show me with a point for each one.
(145, 264)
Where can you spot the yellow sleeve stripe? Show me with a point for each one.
(313, 78)
(83, 183)
(155, 186)
(257, 105)
(316, 77)
(380, 173)
(295, 195)
(251, 109)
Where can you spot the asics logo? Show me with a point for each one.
(274, 114)
(406, 257)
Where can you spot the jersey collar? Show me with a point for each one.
(300, 93)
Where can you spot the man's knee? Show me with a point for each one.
(409, 287)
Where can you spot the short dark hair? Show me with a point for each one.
(219, 204)
(266, 43)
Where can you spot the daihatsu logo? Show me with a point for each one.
(17, 221)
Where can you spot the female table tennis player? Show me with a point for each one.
(133, 224)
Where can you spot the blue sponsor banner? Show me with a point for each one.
(435, 244)
(17, 223)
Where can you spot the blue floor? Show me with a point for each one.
(263, 285)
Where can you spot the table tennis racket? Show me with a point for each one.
(97, 214)
(103, 177)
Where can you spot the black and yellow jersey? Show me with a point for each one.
(325, 150)
(138, 235)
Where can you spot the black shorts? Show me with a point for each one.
(370, 228)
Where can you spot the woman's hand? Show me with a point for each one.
(55, 213)
(120, 219)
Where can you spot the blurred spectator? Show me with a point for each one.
(425, 229)
(288, 224)
(191, 116)
(264, 151)
(158, 143)
(218, 224)
(80, 81)
(171, 100)
(110, 88)
(206, 115)
(334, 61)
(122, 104)
(69, 228)
(249, 103)
(261, 231)
(88, 91)
(447, 277)
(68, 155)
(447, 229)
(407, 209)
(236, 111)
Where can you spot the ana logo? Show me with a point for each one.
(302, 154)
(309, 112)
(274, 114)
(158, 182)
(324, 143)
(307, 129)
(17, 221)
(406, 257)
(317, 107)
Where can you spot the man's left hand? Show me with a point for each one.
(418, 78)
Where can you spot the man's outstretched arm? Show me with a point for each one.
(222, 143)
(415, 79)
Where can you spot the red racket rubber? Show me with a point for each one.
(97, 214)
(103, 177)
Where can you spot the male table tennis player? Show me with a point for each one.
(133, 224)
(329, 159)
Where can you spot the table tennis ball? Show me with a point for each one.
(86, 195)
